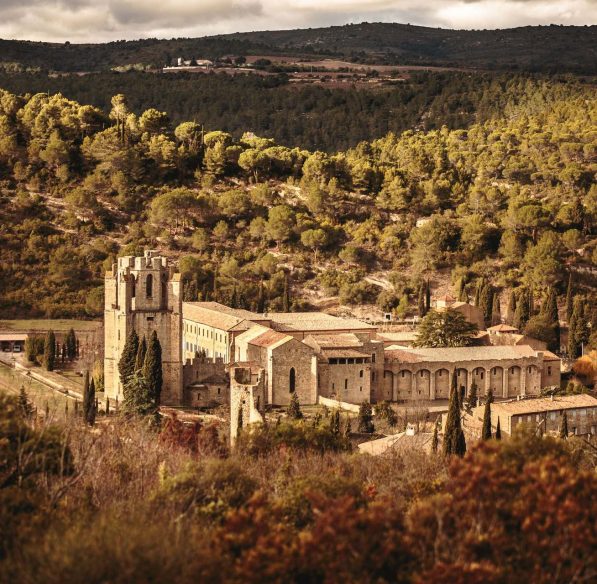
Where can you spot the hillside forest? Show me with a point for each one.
(503, 200)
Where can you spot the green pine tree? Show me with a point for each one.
(294, 409)
(486, 302)
(49, 359)
(564, 426)
(126, 365)
(486, 429)
(152, 369)
(366, 418)
(454, 441)
(498, 430)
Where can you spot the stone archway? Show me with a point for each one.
(514, 381)
(442, 384)
(496, 381)
(404, 384)
(423, 384)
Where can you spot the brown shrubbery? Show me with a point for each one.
(139, 507)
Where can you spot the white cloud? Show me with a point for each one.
(101, 20)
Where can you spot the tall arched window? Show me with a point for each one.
(292, 380)
(149, 286)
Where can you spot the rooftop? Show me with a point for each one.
(314, 321)
(455, 354)
(339, 340)
(502, 328)
(219, 315)
(270, 338)
(545, 404)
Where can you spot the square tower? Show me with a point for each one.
(144, 294)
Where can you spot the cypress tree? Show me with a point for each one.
(421, 302)
(141, 352)
(531, 301)
(49, 359)
(261, 298)
(480, 286)
(496, 312)
(286, 301)
(25, 406)
(126, 365)
(366, 418)
(152, 369)
(498, 430)
(347, 428)
(294, 409)
(486, 431)
(427, 297)
(511, 307)
(569, 299)
(522, 314)
(335, 423)
(485, 302)
(435, 439)
(564, 426)
(138, 398)
(549, 310)
(89, 410)
(454, 442)
(462, 295)
(454, 382)
(71, 344)
(472, 397)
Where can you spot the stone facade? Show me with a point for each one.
(247, 397)
(144, 294)
(206, 382)
(426, 374)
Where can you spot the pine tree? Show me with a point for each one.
(89, 410)
(454, 442)
(126, 365)
(486, 430)
(294, 409)
(49, 359)
(152, 369)
(138, 397)
(496, 312)
(366, 418)
(435, 439)
(498, 430)
(25, 405)
(141, 352)
(564, 426)
(569, 299)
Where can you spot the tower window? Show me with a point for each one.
(149, 286)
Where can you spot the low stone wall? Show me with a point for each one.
(335, 404)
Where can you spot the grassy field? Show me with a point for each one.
(47, 324)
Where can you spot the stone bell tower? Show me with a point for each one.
(144, 294)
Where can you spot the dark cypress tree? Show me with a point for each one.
(427, 297)
(462, 295)
(89, 410)
(25, 405)
(549, 310)
(523, 313)
(480, 286)
(71, 344)
(138, 397)
(531, 301)
(569, 299)
(421, 302)
(485, 302)
(335, 423)
(454, 442)
(435, 439)
(49, 359)
(107, 406)
(486, 430)
(64, 353)
(261, 298)
(286, 299)
(234, 302)
(347, 428)
(472, 398)
(152, 369)
(126, 365)
(366, 418)
(511, 307)
(564, 426)
(454, 382)
(498, 430)
(496, 312)
(294, 409)
(141, 352)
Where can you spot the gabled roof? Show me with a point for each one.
(270, 339)
(220, 316)
(545, 404)
(503, 328)
(455, 354)
(315, 321)
(338, 340)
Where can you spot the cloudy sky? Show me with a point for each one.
(102, 20)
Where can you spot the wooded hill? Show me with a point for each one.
(570, 49)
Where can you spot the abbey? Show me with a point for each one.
(275, 355)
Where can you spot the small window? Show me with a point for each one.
(372, 357)
(346, 384)
(361, 373)
(481, 374)
(549, 370)
(150, 319)
(403, 373)
(219, 390)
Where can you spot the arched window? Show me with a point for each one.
(292, 380)
(149, 286)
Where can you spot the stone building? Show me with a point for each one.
(247, 397)
(205, 382)
(144, 294)
(349, 366)
(471, 312)
(545, 414)
(509, 371)
(210, 328)
(289, 365)
(303, 324)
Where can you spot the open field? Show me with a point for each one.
(57, 325)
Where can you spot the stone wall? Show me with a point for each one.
(247, 398)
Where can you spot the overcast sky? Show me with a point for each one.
(102, 20)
